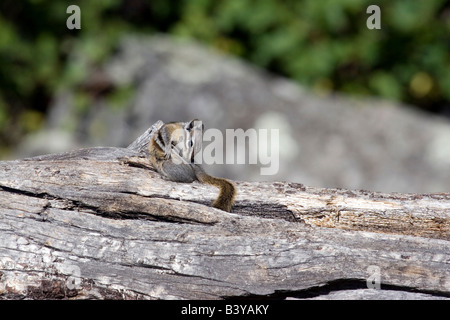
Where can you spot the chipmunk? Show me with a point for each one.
(172, 150)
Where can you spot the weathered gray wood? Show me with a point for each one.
(140, 144)
(98, 223)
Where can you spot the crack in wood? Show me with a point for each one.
(79, 205)
(344, 286)
(265, 210)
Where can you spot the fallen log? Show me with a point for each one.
(99, 223)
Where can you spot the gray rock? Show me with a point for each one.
(330, 141)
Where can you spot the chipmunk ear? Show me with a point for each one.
(195, 124)
(190, 125)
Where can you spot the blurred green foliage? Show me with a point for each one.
(322, 44)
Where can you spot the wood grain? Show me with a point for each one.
(99, 223)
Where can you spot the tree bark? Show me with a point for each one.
(100, 223)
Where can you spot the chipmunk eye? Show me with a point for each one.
(190, 143)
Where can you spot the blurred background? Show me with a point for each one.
(356, 108)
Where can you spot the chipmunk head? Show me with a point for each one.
(187, 138)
